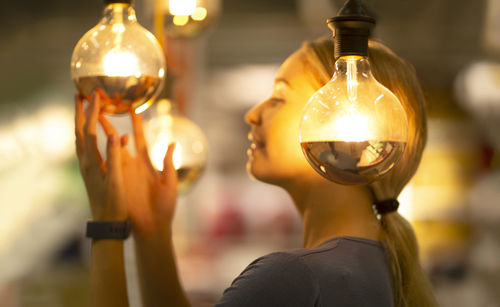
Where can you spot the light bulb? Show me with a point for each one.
(353, 129)
(190, 154)
(189, 18)
(120, 57)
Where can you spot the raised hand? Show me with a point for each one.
(103, 180)
(124, 186)
(128, 187)
(151, 194)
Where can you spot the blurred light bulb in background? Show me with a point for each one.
(181, 7)
(120, 57)
(189, 18)
(190, 155)
(353, 129)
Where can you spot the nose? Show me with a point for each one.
(253, 116)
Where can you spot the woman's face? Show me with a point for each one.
(275, 155)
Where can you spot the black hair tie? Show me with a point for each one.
(386, 206)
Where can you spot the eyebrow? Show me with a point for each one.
(283, 80)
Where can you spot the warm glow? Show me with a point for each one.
(405, 199)
(199, 14)
(182, 7)
(116, 63)
(180, 20)
(159, 149)
(48, 134)
(352, 79)
(55, 133)
(353, 128)
(118, 28)
(177, 156)
(143, 107)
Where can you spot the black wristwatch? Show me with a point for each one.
(108, 230)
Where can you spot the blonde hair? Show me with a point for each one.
(410, 284)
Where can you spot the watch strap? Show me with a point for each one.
(108, 230)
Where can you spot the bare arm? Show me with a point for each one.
(107, 275)
(151, 199)
(158, 272)
(106, 196)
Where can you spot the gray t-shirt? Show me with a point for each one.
(343, 271)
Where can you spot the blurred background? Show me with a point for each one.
(223, 61)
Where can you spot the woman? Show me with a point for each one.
(349, 257)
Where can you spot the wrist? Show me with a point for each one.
(153, 235)
(108, 230)
(109, 215)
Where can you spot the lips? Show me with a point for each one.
(257, 142)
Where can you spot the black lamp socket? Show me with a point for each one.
(351, 27)
(106, 2)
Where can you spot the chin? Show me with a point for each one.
(283, 175)
(258, 172)
(267, 174)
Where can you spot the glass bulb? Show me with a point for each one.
(189, 18)
(190, 155)
(353, 129)
(120, 57)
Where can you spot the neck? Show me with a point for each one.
(331, 210)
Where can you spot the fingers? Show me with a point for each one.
(79, 122)
(108, 127)
(114, 169)
(140, 141)
(124, 140)
(169, 173)
(90, 132)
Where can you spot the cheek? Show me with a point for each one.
(283, 148)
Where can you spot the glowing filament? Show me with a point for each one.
(182, 7)
(352, 79)
(353, 128)
(116, 63)
(118, 28)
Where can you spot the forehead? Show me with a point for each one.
(293, 69)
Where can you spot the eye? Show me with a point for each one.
(276, 101)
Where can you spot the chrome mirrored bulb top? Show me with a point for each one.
(120, 57)
(353, 129)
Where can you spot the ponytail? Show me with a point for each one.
(411, 286)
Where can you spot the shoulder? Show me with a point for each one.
(342, 271)
(277, 279)
(351, 272)
(342, 252)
